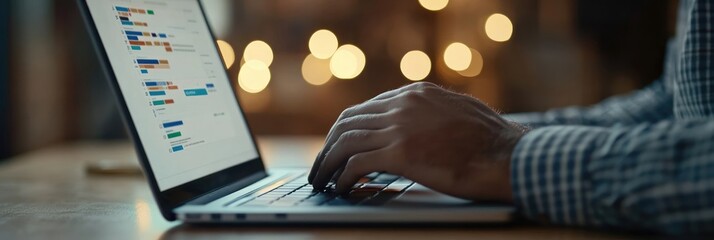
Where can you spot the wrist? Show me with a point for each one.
(510, 140)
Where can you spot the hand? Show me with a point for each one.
(446, 141)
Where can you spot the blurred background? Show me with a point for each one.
(325, 55)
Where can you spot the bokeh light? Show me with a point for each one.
(254, 76)
(229, 56)
(499, 28)
(415, 65)
(316, 71)
(323, 44)
(259, 51)
(434, 5)
(347, 62)
(476, 65)
(457, 56)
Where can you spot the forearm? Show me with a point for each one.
(648, 105)
(657, 177)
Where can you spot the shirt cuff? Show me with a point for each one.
(548, 173)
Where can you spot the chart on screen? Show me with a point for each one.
(176, 76)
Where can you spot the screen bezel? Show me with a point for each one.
(169, 199)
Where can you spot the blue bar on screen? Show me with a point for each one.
(151, 84)
(127, 23)
(195, 92)
(176, 148)
(209, 85)
(135, 38)
(134, 33)
(147, 61)
(157, 93)
(122, 9)
(172, 124)
(144, 71)
(135, 47)
(162, 35)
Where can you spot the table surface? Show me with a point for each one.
(48, 194)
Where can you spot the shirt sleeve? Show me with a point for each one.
(654, 177)
(650, 104)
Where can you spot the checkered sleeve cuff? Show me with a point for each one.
(548, 173)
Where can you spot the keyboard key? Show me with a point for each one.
(339, 202)
(372, 175)
(282, 203)
(397, 187)
(381, 198)
(385, 179)
(378, 186)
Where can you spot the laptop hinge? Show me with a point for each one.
(228, 189)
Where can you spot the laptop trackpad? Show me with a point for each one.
(421, 196)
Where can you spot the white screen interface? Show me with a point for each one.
(175, 87)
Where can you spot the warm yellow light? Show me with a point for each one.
(229, 56)
(415, 65)
(254, 76)
(457, 56)
(143, 215)
(316, 71)
(323, 44)
(434, 5)
(347, 62)
(476, 65)
(499, 28)
(260, 51)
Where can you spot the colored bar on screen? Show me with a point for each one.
(173, 135)
(124, 18)
(195, 92)
(122, 9)
(147, 61)
(135, 47)
(151, 84)
(173, 87)
(176, 148)
(162, 35)
(132, 38)
(209, 85)
(169, 101)
(134, 33)
(144, 71)
(157, 103)
(150, 12)
(157, 93)
(127, 23)
(172, 124)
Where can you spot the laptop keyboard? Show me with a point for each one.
(371, 190)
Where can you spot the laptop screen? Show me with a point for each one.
(175, 87)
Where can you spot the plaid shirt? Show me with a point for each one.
(643, 161)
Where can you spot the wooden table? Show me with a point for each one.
(48, 194)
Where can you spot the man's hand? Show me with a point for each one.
(446, 141)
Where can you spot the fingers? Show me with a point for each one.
(368, 115)
(348, 144)
(364, 122)
(362, 164)
(395, 92)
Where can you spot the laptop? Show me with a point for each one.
(196, 147)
